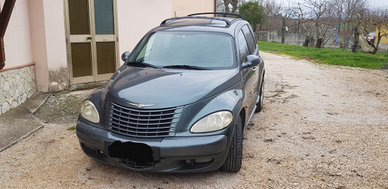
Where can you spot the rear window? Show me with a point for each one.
(209, 50)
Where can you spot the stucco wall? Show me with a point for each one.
(56, 45)
(186, 7)
(17, 79)
(135, 18)
(38, 43)
(17, 40)
(55, 34)
(49, 44)
(135, 21)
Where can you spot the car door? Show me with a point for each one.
(250, 74)
(254, 50)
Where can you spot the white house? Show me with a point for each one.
(52, 44)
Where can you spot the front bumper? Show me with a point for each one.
(171, 154)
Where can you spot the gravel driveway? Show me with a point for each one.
(321, 127)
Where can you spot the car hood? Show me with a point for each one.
(164, 88)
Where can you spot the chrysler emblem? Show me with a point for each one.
(141, 105)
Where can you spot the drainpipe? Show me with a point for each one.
(5, 15)
(2, 54)
(215, 6)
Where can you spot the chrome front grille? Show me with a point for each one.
(135, 122)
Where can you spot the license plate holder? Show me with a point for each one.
(138, 152)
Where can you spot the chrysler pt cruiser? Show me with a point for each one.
(180, 101)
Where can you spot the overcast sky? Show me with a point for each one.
(372, 3)
(379, 3)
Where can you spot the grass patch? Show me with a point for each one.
(327, 55)
(71, 128)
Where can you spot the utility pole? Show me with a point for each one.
(283, 30)
(299, 13)
(298, 22)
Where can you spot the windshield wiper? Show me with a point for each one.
(142, 64)
(188, 67)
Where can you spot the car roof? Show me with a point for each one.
(196, 22)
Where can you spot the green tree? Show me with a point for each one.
(253, 13)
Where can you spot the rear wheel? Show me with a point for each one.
(261, 97)
(234, 159)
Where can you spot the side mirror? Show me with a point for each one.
(252, 60)
(125, 56)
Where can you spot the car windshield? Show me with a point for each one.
(185, 50)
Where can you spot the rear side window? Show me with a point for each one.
(250, 39)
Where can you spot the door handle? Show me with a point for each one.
(89, 38)
(254, 68)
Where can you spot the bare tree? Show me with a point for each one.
(275, 10)
(380, 20)
(338, 8)
(316, 10)
(228, 6)
(272, 8)
(319, 16)
(220, 6)
(355, 14)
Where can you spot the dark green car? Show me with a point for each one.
(180, 101)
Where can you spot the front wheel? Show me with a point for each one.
(234, 159)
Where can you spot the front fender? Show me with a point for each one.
(230, 100)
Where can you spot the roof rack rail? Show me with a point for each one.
(228, 23)
(215, 13)
(170, 19)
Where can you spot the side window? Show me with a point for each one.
(243, 46)
(250, 39)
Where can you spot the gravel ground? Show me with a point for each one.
(321, 127)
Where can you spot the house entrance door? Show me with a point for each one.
(92, 40)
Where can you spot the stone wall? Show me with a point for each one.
(383, 47)
(16, 86)
(261, 35)
(299, 39)
(290, 38)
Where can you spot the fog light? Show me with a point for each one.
(203, 160)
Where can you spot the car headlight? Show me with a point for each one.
(89, 112)
(212, 122)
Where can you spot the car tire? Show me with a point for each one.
(234, 159)
(259, 105)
